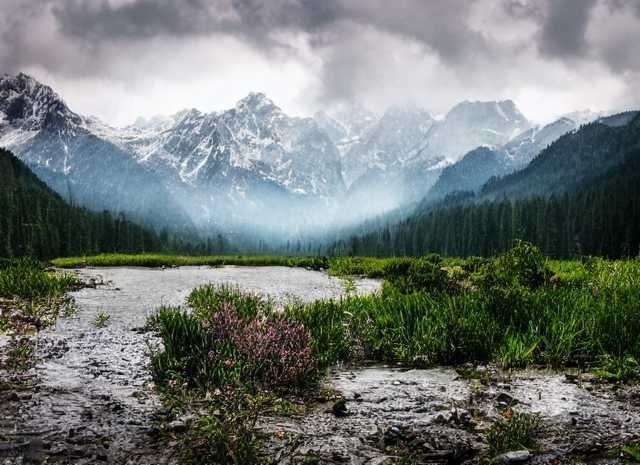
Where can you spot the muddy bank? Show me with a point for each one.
(89, 397)
(435, 416)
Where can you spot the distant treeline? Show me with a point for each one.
(36, 221)
(602, 218)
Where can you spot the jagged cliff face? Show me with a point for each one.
(254, 137)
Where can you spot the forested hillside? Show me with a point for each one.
(36, 221)
(572, 160)
(584, 213)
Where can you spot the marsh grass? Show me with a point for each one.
(159, 260)
(27, 279)
(101, 320)
(20, 356)
(31, 297)
(517, 309)
(513, 431)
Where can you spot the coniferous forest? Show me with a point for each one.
(36, 221)
(601, 220)
(564, 201)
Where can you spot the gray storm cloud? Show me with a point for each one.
(373, 51)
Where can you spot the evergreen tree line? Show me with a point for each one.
(35, 221)
(602, 219)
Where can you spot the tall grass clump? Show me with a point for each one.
(232, 351)
(207, 299)
(513, 431)
(30, 296)
(26, 278)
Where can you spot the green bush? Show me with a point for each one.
(417, 275)
(522, 266)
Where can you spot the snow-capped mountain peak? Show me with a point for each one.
(256, 102)
(27, 103)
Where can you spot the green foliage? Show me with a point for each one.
(618, 369)
(521, 266)
(358, 266)
(184, 357)
(206, 300)
(226, 434)
(632, 454)
(518, 350)
(27, 279)
(33, 296)
(417, 275)
(348, 285)
(158, 260)
(101, 320)
(20, 356)
(512, 432)
(327, 324)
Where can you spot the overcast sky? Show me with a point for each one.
(118, 59)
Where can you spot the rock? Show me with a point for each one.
(505, 400)
(512, 457)
(339, 408)
(177, 426)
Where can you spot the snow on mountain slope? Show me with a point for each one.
(253, 166)
(253, 136)
(480, 164)
(64, 151)
(399, 136)
(472, 124)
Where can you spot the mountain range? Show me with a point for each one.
(255, 168)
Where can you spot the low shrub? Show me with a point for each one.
(617, 369)
(417, 275)
(226, 434)
(224, 347)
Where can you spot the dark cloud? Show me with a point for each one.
(564, 28)
(354, 48)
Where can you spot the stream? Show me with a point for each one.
(93, 400)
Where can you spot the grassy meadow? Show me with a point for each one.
(152, 260)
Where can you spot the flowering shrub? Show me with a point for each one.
(271, 351)
(225, 346)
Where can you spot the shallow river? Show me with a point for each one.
(94, 400)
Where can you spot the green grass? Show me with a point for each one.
(101, 320)
(20, 356)
(30, 296)
(159, 260)
(514, 431)
(27, 279)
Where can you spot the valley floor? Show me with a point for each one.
(88, 396)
